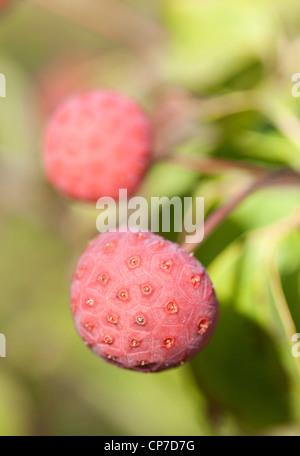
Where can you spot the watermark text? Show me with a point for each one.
(2, 86)
(157, 214)
(296, 347)
(2, 346)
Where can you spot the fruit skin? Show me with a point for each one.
(141, 302)
(3, 3)
(96, 143)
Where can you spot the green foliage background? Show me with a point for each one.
(216, 78)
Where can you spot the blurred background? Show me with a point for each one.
(216, 78)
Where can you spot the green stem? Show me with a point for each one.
(280, 177)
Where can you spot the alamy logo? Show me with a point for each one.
(140, 214)
(296, 347)
(2, 86)
(296, 86)
(2, 346)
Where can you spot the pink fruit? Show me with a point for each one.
(141, 302)
(96, 143)
(3, 3)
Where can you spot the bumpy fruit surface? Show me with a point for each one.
(141, 302)
(96, 143)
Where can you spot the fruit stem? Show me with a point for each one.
(213, 165)
(280, 177)
(122, 23)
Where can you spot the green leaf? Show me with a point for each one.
(211, 41)
(241, 372)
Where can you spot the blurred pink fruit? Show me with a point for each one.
(96, 143)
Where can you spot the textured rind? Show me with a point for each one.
(96, 143)
(166, 339)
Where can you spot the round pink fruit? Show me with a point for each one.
(95, 144)
(141, 302)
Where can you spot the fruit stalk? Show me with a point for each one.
(119, 20)
(214, 165)
(279, 177)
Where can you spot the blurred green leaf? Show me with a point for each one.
(241, 372)
(211, 41)
(288, 259)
